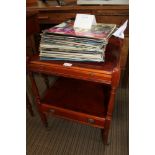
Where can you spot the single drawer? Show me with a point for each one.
(74, 116)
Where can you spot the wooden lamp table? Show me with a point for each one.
(83, 92)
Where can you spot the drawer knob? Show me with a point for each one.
(52, 110)
(90, 120)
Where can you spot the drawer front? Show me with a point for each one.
(74, 116)
(73, 73)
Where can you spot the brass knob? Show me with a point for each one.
(52, 110)
(90, 120)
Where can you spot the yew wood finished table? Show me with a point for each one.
(83, 92)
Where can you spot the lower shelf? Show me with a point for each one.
(77, 100)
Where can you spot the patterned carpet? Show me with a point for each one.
(68, 138)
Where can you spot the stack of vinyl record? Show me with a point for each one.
(64, 42)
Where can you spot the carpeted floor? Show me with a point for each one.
(68, 138)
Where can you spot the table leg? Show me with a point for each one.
(37, 100)
(28, 105)
(46, 80)
(105, 131)
(43, 118)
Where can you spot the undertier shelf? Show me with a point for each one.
(77, 100)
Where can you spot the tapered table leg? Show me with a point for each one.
(37, 100)
(46, 80)
(105, 134)
(105, 131)
(44, 119)
(29, 106)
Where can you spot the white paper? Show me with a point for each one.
(67, 64)
(61, 25)
(84, 21)
(120, 31)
